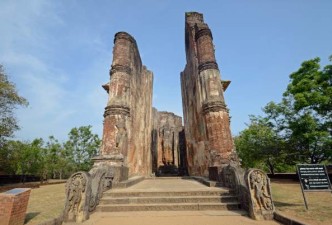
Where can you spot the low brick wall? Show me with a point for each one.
(26, 185)
(31, 185)
(11, 179)
(293, 176)
(13, 206)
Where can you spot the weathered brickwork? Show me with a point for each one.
(13, 206)
(128, 114)
(139, 140)
(167, 143)
(207, 125)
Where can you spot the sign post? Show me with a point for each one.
(313, 178)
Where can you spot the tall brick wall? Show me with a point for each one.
(128, 114)
(206, 119)
(167, 143)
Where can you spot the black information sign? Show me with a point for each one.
(313, 177)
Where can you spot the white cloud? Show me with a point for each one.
(56, 101)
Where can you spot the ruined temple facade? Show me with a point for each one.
(139, 140)
(209, 141)
(128, 114)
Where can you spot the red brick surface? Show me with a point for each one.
(219, 133)
(13, 207)
(206, 119)
(130, 94)
(205, 49)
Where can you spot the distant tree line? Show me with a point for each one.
(45, 158)
(50, 158)
(296, 130)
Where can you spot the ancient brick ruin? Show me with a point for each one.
(207, 125)
(128, 114)
(142, 140)
(168, 150)
(139, 141)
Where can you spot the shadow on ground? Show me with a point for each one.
(284, 204)
(29, 216)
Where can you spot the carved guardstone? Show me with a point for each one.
(84, 191)
(78, 193)
(260, 202)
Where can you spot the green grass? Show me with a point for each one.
(289, 201)
(45, 203)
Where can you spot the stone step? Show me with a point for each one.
(168, 207)
(115, 194)
(168, 199)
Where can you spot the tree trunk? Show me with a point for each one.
(270, 165)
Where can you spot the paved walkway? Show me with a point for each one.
(170, 217)
(167, 184)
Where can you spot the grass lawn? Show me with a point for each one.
(289, 201)
(45, 203)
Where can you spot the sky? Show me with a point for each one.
(58, 53)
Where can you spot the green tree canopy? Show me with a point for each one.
(307, 105)
(22, 157)
(9, 100)
(82, 145)
(301, 124)
(260, 146)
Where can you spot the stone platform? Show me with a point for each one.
(168, 194)
(170, 201)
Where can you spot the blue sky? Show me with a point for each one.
(59, 53)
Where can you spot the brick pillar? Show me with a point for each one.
(13, 206)
(117, 111)
(218, 132)
(214, 108)
(115, 140)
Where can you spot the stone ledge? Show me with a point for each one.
(117, 109)
(287, 220)
(203, 32)
(127, 183)
(213, 105)
(209, 65)
(206, 181)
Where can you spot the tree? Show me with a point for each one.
(50, 160)
(82, 145)
(305, 115)
(299, 128)
(22, 158)
(9, 100)
(8, 156)
(57, 160)
(260, 146)
(309, 99)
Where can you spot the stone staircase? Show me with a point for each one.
(169, 200)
